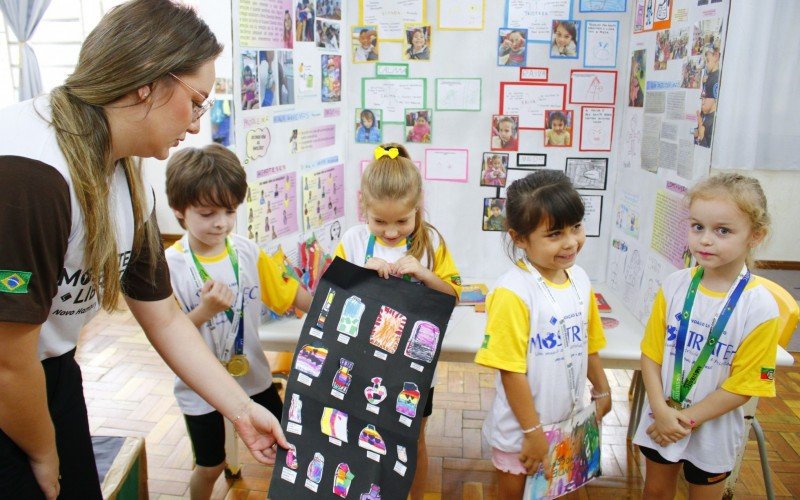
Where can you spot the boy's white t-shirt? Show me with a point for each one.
(522, 336)
(743, 362)
(263, 284)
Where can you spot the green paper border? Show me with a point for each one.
(480, 98)
(402, 122)
(379, 65)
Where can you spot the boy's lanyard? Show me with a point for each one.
(562, 326)
(681, 388)
(232, 337)
(371, 251)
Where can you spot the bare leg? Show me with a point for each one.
(421, 476)
(661, 480)
(510, 486)
(706, 492)
(201, 485)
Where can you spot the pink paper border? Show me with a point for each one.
(466, 170)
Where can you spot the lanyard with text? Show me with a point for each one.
(371, 251)
(681, 388)
(233, 337)
(562, 326)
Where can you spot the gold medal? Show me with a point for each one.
(238, 365)
(674, 404)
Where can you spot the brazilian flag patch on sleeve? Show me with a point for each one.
(14, 281)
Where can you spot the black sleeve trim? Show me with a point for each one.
(143, 282)
(35, 224)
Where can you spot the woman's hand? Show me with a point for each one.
(383, 268)
(535, 452)
(45, 471)
(260, 431)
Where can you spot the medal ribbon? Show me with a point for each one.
(371, 251)
(562, 326)
(224, 342)
(680, 389)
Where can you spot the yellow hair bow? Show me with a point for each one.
(391, 152)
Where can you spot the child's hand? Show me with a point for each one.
(411, 266)
(534, 452)
(670, 426)
(602, 407)
(215, 297)
(383, 268)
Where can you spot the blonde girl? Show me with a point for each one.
(84, 232)
(535, 387)
(710, 344)
(397, 241)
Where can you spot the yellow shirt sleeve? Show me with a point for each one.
(339, 252)
(753, 366)
(597, 336)
(508, 328)
(445, 268)
(655, 332)
(277, 291)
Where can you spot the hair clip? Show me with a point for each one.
(391, 152)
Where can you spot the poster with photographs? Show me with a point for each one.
(588, 173)
(494, 214)
(360, 380)
(494, 170)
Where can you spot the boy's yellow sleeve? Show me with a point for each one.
(339, 252)
(753, 365)
(596, 334)
(656, 330)
(445, 268)
(277, 291)
(508, 328)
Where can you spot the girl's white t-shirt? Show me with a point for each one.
(523, 336)
(742, 362)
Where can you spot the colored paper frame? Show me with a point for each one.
(401, 121)
(584, 6)
(480, 95)
(428, 151)
(381, 29)
(586, 41)
(561, 105)
(532, 70)
(389, 74)
(547, 16)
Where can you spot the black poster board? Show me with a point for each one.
(360, 379)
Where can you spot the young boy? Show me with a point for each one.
(220, 281)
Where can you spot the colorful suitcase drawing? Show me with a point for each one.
(342, 379)
(351, 316)
(310, 360)
(374, 493)
(422, 343)
(291, 457)
(334, 423)
(371, 440)
(326, 308)
(342, 480)
(408, 399)
(316, 467)
(295, 409)
(387, 330)
(376, 392)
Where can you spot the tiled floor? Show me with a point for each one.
(129, 392)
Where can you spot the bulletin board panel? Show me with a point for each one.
(461, 120)
(667, 77)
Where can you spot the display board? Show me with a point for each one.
(673, 82)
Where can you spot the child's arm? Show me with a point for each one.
(601, 392)
(670, 425)
(714, 405)
(534, 443)
(547, 137)
(302, 300)
(215, 297)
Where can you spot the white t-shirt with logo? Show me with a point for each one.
(45, 240)
(523, 336)
(743, 362)
(262, 282)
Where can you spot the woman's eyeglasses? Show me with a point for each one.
(198, 110)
